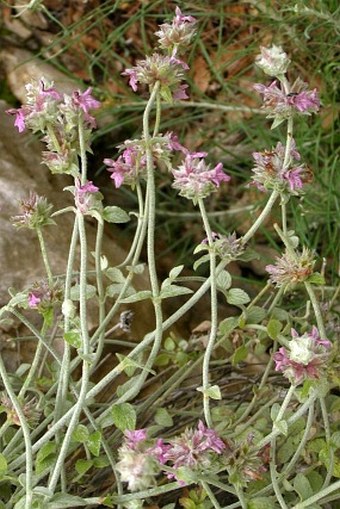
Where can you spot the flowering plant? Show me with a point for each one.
(64, 434)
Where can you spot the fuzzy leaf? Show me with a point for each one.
(237, 297)
(262, 503)
(273, 328)
(75, 292)
(174, 291)
(80, 434)
(115, 275)
(228, 325)
(316, 279)
(73, 338)
(163, 418)
(94, 442)
(239, 355)
(124, 416)
(302, 486)
(136, 297)
(175, 272)
(3, 465)
(82, 466)
(113, 214)
(64, 501)
(203, 259)
(255, 314)
(224, 280)
(45, 457)
(281, 426)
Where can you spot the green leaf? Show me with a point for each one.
(101, 462)
(3, 465)
(175, 272)
(205, 258)
(45, 457)
(214, 392)
(73, 338)
(115, 275)
(174, 291)
(113, 214)
(169, 344)
(80, 434)
(228, 325)
(75, 292)
(239, 355)
(255, 314)
(136, 297)
(262, 503)
(224, 280)
(316, 279)
(335, 440)
(163, 418)
(237, 297)
(94, 442)
(64, 501)
(281, 426)
(316, 480)
(136, 269)
(273, 328)
(302, 486)
(124, 416)
(82, 466)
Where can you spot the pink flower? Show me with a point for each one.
(306, 101)
(176, 36)
(19, 121)
(83, 195)
(305, 358)
(133, 78)
(293, 177)
(290, 270)
(195, 179)
(134, 437)
(85, 101)
(33, 300)
(193, 448)
(129, 166)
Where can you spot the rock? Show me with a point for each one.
(20, 259)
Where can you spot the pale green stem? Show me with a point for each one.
(300, 447)
(240, 494)
(210, 494)
(64, 373)
(26, 434)
(316, 308)
(318, 496)
(284, 217)
(45, 257)
(158, 115)
(82, 146)
(265, 212)
(101, 291)
(273, 474)
(213, 316)
(78, 407)
(299, 413)
(330, 466)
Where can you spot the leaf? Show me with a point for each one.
(136, 269)
(237, 297)
(136, 297)
(94, 442)
(3, 465)
(163, 418)
(80, 434)
(224, 280)
(302, 486)
(113, 214)
(273, 328)
(262, 503)
(75, 292)
(228, 325)
(174, 291)
(239, 355)
(115, 275)
(175, 272)
(82, 466)
(64, 501)
(316, 279)
(203, 259)
(281, 426)
(335, 440)
(45, 457)
(124, 416)
(73, 338)
(255, 314)
(214, 392)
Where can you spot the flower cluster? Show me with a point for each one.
(58, 118)
(226, 246)
(35, 213)
(195, 179)
(130, 166)
(140, 459)
(28, 407)
(176, 36)
(167, 70)
(270, 171)
(291, 269)
(42, 296)
(273, 61)
(305, 358)
(246, 463)
(281, 105)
